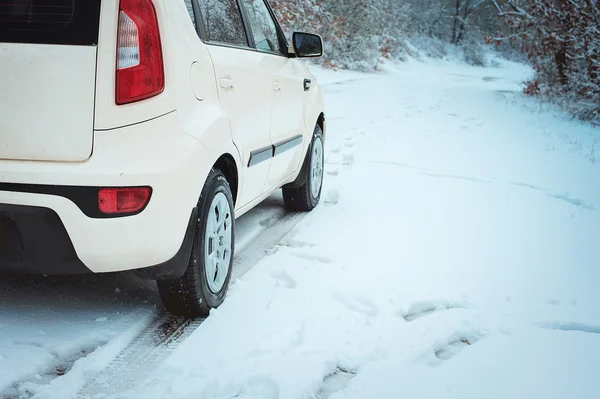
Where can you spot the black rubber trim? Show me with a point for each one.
(266, 153)
(34, 240)
(86, 198)
(287, 145)
(260, 156)
(176, 267)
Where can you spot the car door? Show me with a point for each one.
(287, 88)
(245, 91)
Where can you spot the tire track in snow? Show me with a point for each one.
(264, 244)
(156, 342)
(138, 359)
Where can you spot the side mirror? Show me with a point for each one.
(307, 45)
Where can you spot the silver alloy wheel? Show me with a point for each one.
(218, 240)
(316, 167)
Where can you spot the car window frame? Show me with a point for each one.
(282, 39)
(203, 33)
(283, 43)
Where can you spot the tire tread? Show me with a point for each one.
(185, 296)
(299, 199)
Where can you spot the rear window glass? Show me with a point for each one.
(70, 22)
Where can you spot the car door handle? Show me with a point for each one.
(307, 84)
(227, 83)
(276, 86)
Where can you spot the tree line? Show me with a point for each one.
(560, 38)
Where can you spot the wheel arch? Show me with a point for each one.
(322, 124)
(227, 165)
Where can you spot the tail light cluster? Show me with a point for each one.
(140, 69)
(123, 200)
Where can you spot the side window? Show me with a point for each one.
(223, 22)
(262, 25)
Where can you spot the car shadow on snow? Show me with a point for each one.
(92, 291)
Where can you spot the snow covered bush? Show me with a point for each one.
(562, 40)
(474, 52)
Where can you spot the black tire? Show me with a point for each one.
(300, 198)
(191, 295)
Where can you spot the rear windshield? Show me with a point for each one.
(71, 22)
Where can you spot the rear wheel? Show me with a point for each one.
(205, 282)
(307, 196)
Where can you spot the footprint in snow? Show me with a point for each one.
(332, 197)
(454, 345)
(348, 159)
(284, 279)
(312, 257)
(332, 171)
(357, 303)
(335, 150)
(426, 308)
(335, 382)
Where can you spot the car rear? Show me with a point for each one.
(93, 164)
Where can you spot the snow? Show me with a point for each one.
(59, 333)
(48, 324)
(455, 255)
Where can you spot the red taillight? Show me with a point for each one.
(140, 69)
(115, 201)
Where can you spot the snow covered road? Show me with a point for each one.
(455, 255)
(61, 336)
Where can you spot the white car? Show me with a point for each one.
(134, 132)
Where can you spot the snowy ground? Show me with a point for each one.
(455, 255)
(58, 333)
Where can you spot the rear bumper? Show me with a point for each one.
(156, 154)
(34, 240)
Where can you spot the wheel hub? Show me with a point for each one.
(218, 239)
(316, 168)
